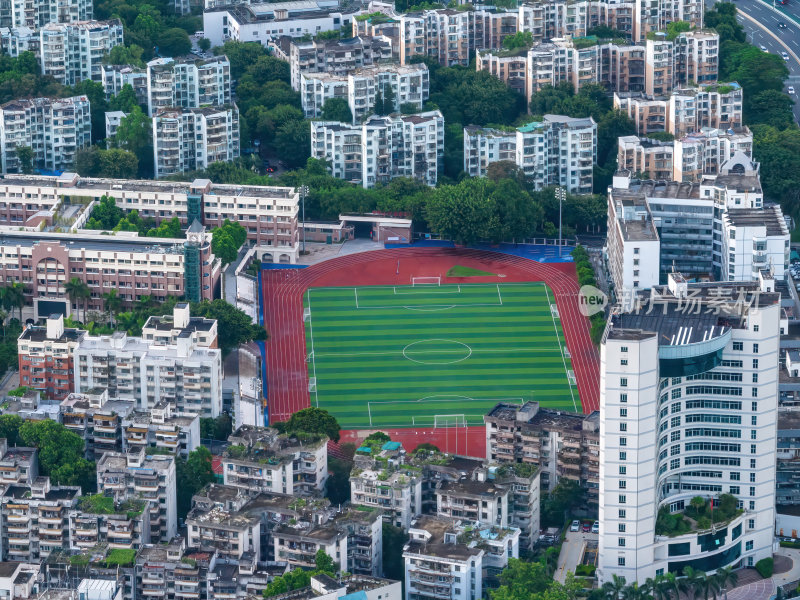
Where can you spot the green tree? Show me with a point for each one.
(521, 39)
(94, 91)
(312, 420)
(25, 158)
(379, 107)
(204, 44)
(337, 109)
(324, 563)
(125, 100)
(78, 292)
(293, 142)
(218, 428)
(241, 55)
(125, 55)
(463, 213)
(174, 42)
(563, 498)
(61, 453)
(233, 325)
(613, 589)
(117, 163)
(112, 303)
(192, 474)
(389, 100)
(135, 134)
(393, 541)
(9, 429)
(14, 297)
(337, 488)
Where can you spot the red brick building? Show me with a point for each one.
(46, 357)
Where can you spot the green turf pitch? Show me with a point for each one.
(399, 356)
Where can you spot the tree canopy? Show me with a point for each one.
(191, 475)
(311, 420)
(234, 326)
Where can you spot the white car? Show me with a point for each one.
(764, 49)
(596, 527)
(785, 55)
(576, 525)
(790, 89)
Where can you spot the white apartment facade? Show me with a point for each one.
(74, 52)
(409, 84)
(15, 40)
(55, 128)
(755, 239)
(193, 138)
(115, 77)
(382, 148)
(188, 82)
(399, 495)
(555, 151)
(336, 57)
(688, 407)
(38, 13)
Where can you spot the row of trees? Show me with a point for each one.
(694, 585)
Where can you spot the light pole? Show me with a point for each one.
(561, 194)
(303, 192)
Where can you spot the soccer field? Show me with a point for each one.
(434, 355)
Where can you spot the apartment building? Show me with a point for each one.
(73, 52)
(398, 493)
(96, 419)
(788, 465)
(119, 525)
(18, 465)
(686, 110)
(407, 84)
(437, 565)
(364, 540)
(190, 139)
(547, 20)
(298, 544)
(261, 459)
(382, 148)
(651, 17)
(37, 14)
(16, 40)
(55, 128)
(115, 77)
(35, 519)
(266, 21)
(688, 159)
(172, 569)
(269, 214)
(676, 422)
(558, 150)
(561, 445)
(336, 57)
(163, 428)
(694, 235)
(231, 534)
(113, 120)
(509, 66)
(149, 372)
(477, 501)
(46, 357)
(188, 82)
(137, 475)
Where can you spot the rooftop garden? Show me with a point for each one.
(120, 557)
(97, 504)
(674, 29)
(376, 18)
(697, 516)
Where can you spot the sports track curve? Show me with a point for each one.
(286, 368)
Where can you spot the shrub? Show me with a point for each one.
(765, 567)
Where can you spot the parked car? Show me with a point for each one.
(596, 527)
(586, 527)
(785, 55)
(576, 526)
(790, 89)
(764, 49)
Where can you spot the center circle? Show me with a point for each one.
(437, 352)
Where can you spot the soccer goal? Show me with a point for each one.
(571, 377)
(554, 311)
(415, 281)
(445, 421)
(306, 313)
(312, 384)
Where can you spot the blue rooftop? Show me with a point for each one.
(392, 446)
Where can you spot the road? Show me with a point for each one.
(761, 36)
(572, 553)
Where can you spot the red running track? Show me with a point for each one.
(283, 291)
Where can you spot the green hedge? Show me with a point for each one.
(790, 544)
(765, 567)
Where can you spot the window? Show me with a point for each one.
(734, 489)
(623, 382)
(623, 469)
(676, 408)
(755, 328)
(623, 349)
(620, 561)
(621, 541)
(754, 392)
(754, 406)
(623, 398)
(755, 363)
(751, 523)
(752, 477)
(623, 484)
(748, 545)
(735, 476)
(675, 450)
(621, 499)
(754, 420)
(752, 505)
(623, 361)
(738, 346)
(753, 434)
(675, 422)
(623, 412)
(623, 427)
(752, 490)
(621, 527)
(755, 348)
(752, 448)
(755, 377)
(621, 513)
(675, 463)
(676, 394)
(752, 463)
(623, 455)
(623, 441)
(675, 436)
